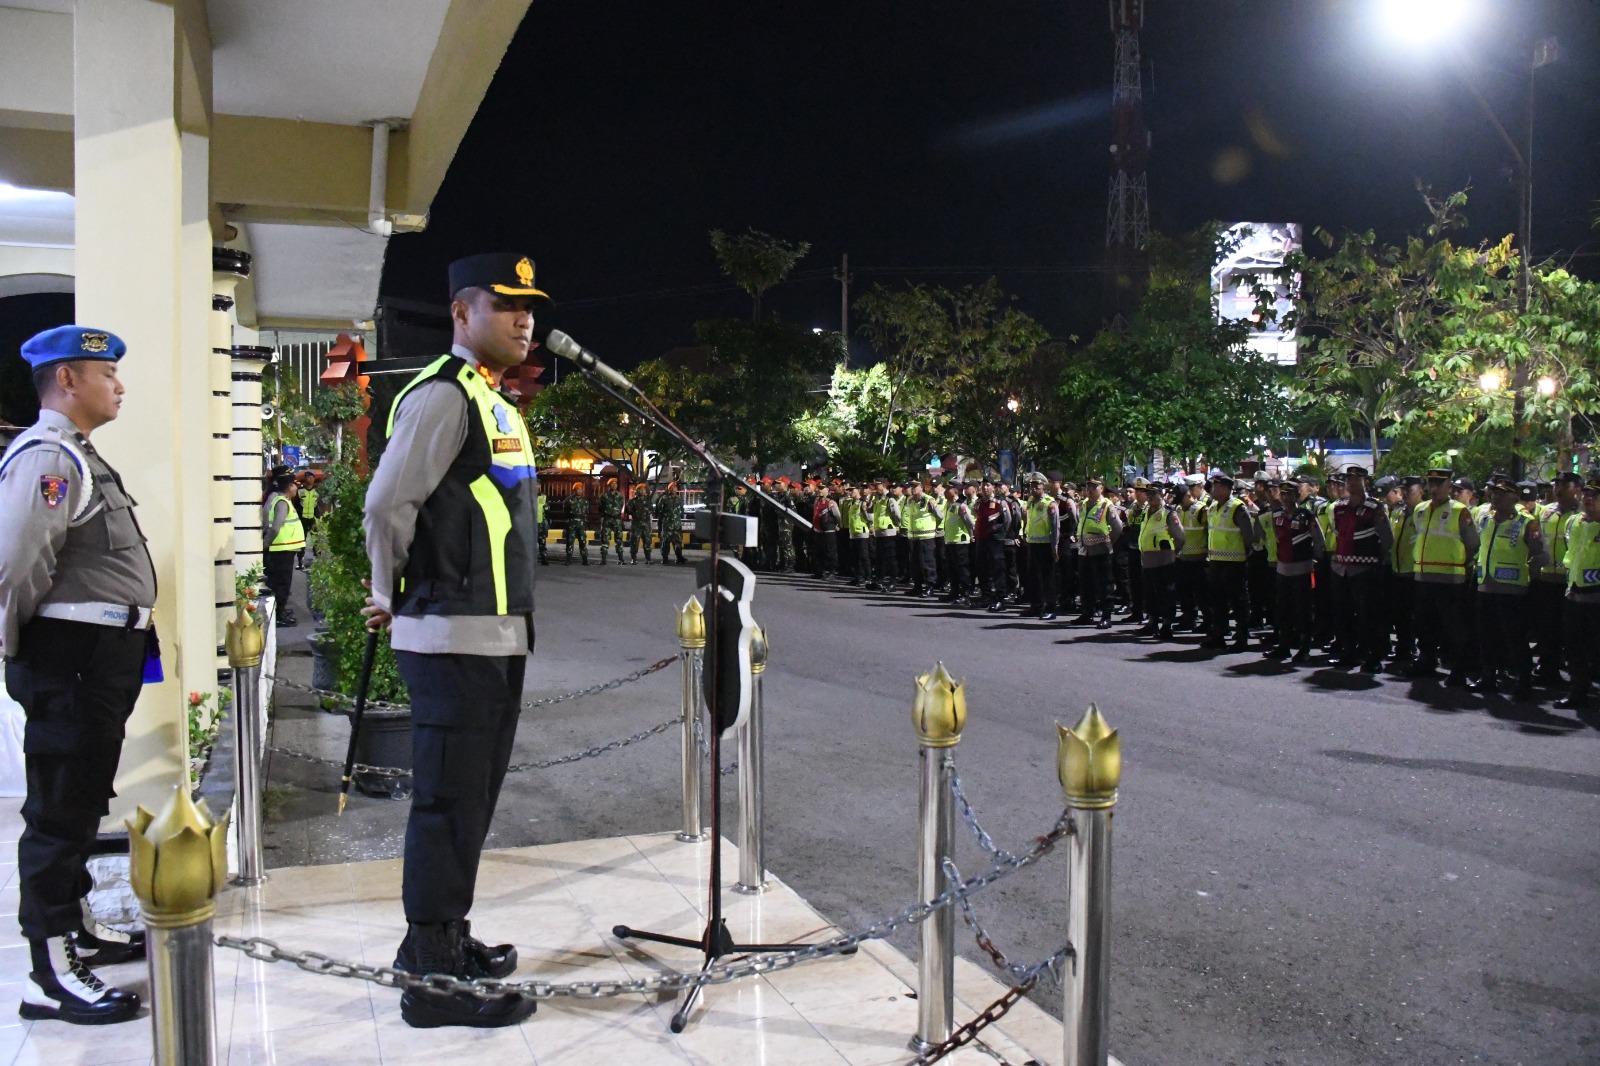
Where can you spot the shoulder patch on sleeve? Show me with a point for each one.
(53, 489)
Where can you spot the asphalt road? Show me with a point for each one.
(1311, 866)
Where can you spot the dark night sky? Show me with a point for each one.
(942, 136)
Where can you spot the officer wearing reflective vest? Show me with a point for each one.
(1363, 539)
(1229, 534)
(1510, 549)
(1161, 537)
(1550, 583)
(858, 527)
(1297, 545)
(452, 532)
(1446, 541)
(1041, 532)
(284, 536)
(958, 526)
(1400, 592)
(77, 586)
(1582, 608)
(921, 515)
(1099, 527)
(885, 528)
(1192, 558)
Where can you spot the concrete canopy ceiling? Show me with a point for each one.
(326, 274)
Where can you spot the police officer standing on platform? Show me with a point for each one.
(76, 591)
(452, 537)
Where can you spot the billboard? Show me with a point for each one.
(1262, 249)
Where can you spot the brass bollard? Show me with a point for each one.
(179, 861)
(752, 859)
(245, 644)
(939, 713)
(1089, 765)
(691, 654)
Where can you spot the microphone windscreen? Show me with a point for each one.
(562, 344)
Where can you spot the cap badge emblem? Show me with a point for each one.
(525, 272)
(96, 342)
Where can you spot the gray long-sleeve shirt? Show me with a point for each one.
(67, 534)
(430, 429)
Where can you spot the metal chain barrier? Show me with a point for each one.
(548, 701)
(1050, 966)
(970, 816)
(316, 962)
(966, 1034)
(703, 742)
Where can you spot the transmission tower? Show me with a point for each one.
(1128, 207)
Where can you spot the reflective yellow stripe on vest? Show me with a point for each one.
(1192, 516)
(292, 534)
(1438, 547)
(1224, 538)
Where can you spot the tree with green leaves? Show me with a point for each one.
(756, 261)
(760, 378)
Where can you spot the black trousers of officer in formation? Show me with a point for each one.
(827, 552)
(1440, 612)
(1192, 591)
(887, 557)
(77, 684)
(956, 569)
(1503, 636)
(1042, 577)
(1582, 643)
(924, 564)
(1357, 619)
(278, 569)
(1094, 585)
(464, 711)
(991, 556)
(1293, 617)
(860, 560)
(1545, 601)
(1160, 595)
(1228, 593)
(1399, 597)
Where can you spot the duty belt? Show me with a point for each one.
(119, 615)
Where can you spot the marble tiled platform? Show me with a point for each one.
(558, 903)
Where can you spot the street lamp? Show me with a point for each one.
(1416, 21)
(1547, 386)
(1490, 381)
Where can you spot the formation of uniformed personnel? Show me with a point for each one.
(611, 506)
(77, 587)
(576, 534)
(640, 531)
(670, 512)
(451, 526)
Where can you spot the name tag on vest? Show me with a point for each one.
(507, 444)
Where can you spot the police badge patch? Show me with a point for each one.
(53, 489)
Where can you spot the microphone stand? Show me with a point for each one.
(715, 941)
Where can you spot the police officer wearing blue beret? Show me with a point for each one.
(452, 536)
(77, 586)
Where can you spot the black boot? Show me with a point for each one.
(62, 987)
(442, 948)
(99, 945)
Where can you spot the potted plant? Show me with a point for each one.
(337, 571)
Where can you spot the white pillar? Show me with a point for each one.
(143, 264)
(227, 268)
(249, 361)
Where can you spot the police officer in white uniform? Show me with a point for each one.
(76, 590)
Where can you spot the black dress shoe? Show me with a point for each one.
(1279, 653)
(1302, 656)
(1048, 616)
(1486, 685)
(1579, 702)
(1371, 666)
(1164, 633)
(63, 988)
(1214, 642)
(442, 948)
(1150, 629)
(107, 947)
(1104, 623)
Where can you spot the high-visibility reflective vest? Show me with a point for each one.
(1330, 536)
(920, 521)
(1224, 538)
(859, 523)
(291, 536)
(1153, 533)
(882, 517)
(955, 530)
(308, 503)
(1503, 551)
(1269, 536)
(539, 511)
(1554, 524)
(476, 546)
(1402, 556)
(1192, 516)
(1037, 525)
(1095, 529)
(1583, 553)
(1438, 548)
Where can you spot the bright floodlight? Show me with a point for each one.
(1424, 21)
(1547, 386)
(1489, 381)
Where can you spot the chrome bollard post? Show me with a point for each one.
(939, 713)
(1089, 765)
(245, 643)
(752, 858)
(692, 653)
(179, 861)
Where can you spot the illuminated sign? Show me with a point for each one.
(1263, 248)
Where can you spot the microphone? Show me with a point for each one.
(572, 351)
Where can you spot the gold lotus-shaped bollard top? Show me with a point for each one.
(245, 641)
(939, 708)
(759, 650)
(1089, 762)
(692, 624)
(179, 860)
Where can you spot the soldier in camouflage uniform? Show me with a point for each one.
(784, 535)
(671, 513)
(578, 524)
(639, 531)
(611, 505)
(805, 501)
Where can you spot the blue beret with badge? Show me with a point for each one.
(72, 343)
